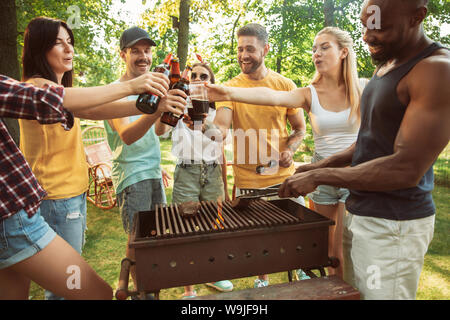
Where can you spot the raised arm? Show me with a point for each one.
(423, 134)
(130, 132)
(77, 99)
(296, 98)
(125, 108)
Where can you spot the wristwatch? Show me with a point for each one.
(146, 104)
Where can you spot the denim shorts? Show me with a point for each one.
(22, 237)
(327, 195)
(68, 218)
(141, 196)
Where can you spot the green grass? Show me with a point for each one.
(106, 243)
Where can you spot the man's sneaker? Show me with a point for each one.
(223, 286)
(260, 283)
(302, 275)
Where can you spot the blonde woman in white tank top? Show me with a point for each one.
(332, 102)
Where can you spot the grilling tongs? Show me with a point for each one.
(242, 201)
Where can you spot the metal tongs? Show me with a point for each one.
(257, 193)
(243, 201)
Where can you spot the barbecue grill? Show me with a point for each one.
(220, 242)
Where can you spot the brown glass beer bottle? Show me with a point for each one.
(148, 102)
(183, 84)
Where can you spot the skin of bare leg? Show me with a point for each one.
(52, 268)
(13, 285)
(336, 213)
(131, 255)
(188, 290)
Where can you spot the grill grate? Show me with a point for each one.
(218, 217)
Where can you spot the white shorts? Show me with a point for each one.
(383, 258)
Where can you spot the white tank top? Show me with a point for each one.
(190, 145)
(333, 131)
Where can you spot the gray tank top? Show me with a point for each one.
(381, 116)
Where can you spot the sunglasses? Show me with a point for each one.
(201, 76)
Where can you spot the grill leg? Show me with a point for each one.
(122, 291)
(310, 273)
(322, 272)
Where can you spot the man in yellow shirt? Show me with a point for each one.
(260, 132)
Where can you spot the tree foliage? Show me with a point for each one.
(292, 25)
(95, 31)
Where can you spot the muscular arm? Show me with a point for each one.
(338, 160)
(423, 134)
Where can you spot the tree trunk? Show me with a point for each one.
(233, 32)
(328, 10)
(9, 64)
(183, 32)
(283, 37)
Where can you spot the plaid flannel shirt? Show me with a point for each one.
(19, 188)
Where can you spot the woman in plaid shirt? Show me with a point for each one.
(55, 155)
(29, 248)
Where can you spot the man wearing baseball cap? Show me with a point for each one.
(136, 171)
(133, 35)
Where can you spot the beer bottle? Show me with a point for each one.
(148, 102)
(183, 84)
(175, 74)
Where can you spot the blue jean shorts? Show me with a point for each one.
(141, 196)
(22, 237)
(68, 218)
(327, 195)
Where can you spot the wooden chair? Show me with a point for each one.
(99, 158)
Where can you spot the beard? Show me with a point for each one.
(248, 69)
(388, 52)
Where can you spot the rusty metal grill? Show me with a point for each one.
(215, 217)
(223, 243)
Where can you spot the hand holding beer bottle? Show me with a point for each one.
(180, 83)
(147, 102)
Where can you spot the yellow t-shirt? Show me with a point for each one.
(257, 124)
(56, 157)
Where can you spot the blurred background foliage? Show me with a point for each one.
(186, 27)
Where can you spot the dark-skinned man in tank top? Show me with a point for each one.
(405, 125)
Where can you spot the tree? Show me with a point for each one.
(94, 31)
(9, 63)
(183, 32)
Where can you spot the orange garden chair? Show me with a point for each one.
(99, 158)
